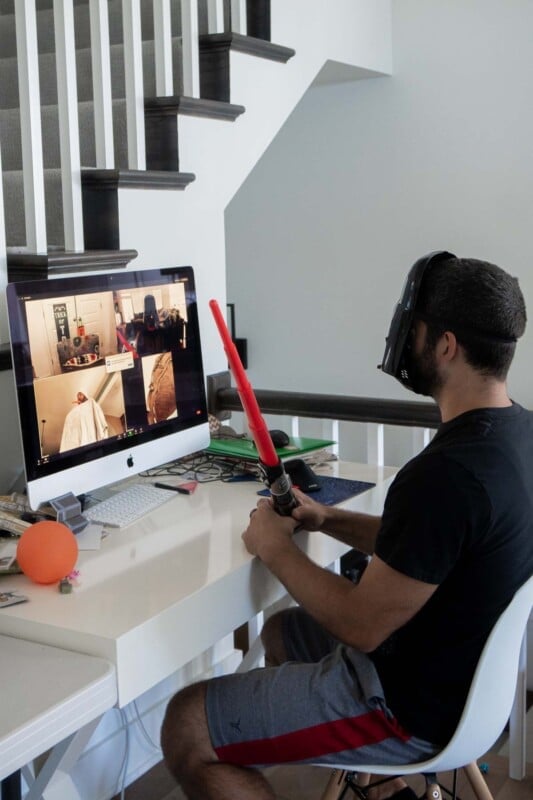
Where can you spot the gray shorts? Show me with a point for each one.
(324, 706)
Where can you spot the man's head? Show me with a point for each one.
(478, 302)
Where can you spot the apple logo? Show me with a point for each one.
(129, 462)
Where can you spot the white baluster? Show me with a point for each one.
(215, 16)
(335, 435)
(238, 16)
(295, 426)
(191, 58)
(102, 95)
(517, 722)
(420, 438)
(4, 334)
(164, 79)
(69, 136)
(133, 70)
(375, 449)
(30, 125)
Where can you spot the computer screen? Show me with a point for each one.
(109, 377)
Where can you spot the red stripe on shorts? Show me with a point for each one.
(328, 737)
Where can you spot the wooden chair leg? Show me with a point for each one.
(477, 782)
(335, 786)
(433, 791)
(342, 781)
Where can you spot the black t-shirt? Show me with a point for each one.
(460, 515)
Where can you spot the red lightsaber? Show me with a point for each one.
(272, 469)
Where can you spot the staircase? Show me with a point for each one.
(253, 79)
(99, 186)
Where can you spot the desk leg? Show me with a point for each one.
(517, 723)
(11, 787)
(61, 759)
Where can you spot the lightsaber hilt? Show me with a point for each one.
(280, 487)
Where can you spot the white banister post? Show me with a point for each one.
(238, 16)
(4, 334)
(189, 42)
(164, 78)
(517, 721)
(375, 445)
(69, 135)
(420, 438)
(102, 95)
(30, 125)
(215, 16)
(255, 625)
(335, 435)
(133, 73)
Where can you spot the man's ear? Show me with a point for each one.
(448, 346)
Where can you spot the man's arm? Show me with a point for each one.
(361, 615)
(351, 527)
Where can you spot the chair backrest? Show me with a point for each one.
(493, 687)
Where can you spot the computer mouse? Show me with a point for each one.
(279, 438)
(302, 476)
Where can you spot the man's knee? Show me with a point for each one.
(273, 641)
(185, 739)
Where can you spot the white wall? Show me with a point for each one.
(367, 176)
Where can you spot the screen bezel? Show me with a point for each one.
(86, 468)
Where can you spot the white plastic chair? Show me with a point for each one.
(485, 714)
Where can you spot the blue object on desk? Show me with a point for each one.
(333, 490)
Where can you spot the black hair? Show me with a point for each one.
(481, 304)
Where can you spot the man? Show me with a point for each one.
(379, 671)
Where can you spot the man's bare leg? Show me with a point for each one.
(190, 757)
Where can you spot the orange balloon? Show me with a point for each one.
(47, 551)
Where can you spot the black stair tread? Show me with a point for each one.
(25, 265)
(246, 44)
(193, 106)
(135, 178)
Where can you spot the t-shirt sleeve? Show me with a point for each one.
(430, 512)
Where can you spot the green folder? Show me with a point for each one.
(246, 450)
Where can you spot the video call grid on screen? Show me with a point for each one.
(102, 362)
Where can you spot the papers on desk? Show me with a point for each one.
(8, 552)
(11, 599)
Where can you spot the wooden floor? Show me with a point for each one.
(307, 783)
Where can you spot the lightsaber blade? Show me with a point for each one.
(272, 469)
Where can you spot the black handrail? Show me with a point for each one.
(338, 407)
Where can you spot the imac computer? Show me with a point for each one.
(109, 377)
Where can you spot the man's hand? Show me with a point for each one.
(268, 532)
(309, 514)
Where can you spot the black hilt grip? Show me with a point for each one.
(280, 487)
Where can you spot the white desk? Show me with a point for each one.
(162, 591)
(50, 698)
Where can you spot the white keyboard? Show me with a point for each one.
(128, 505)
